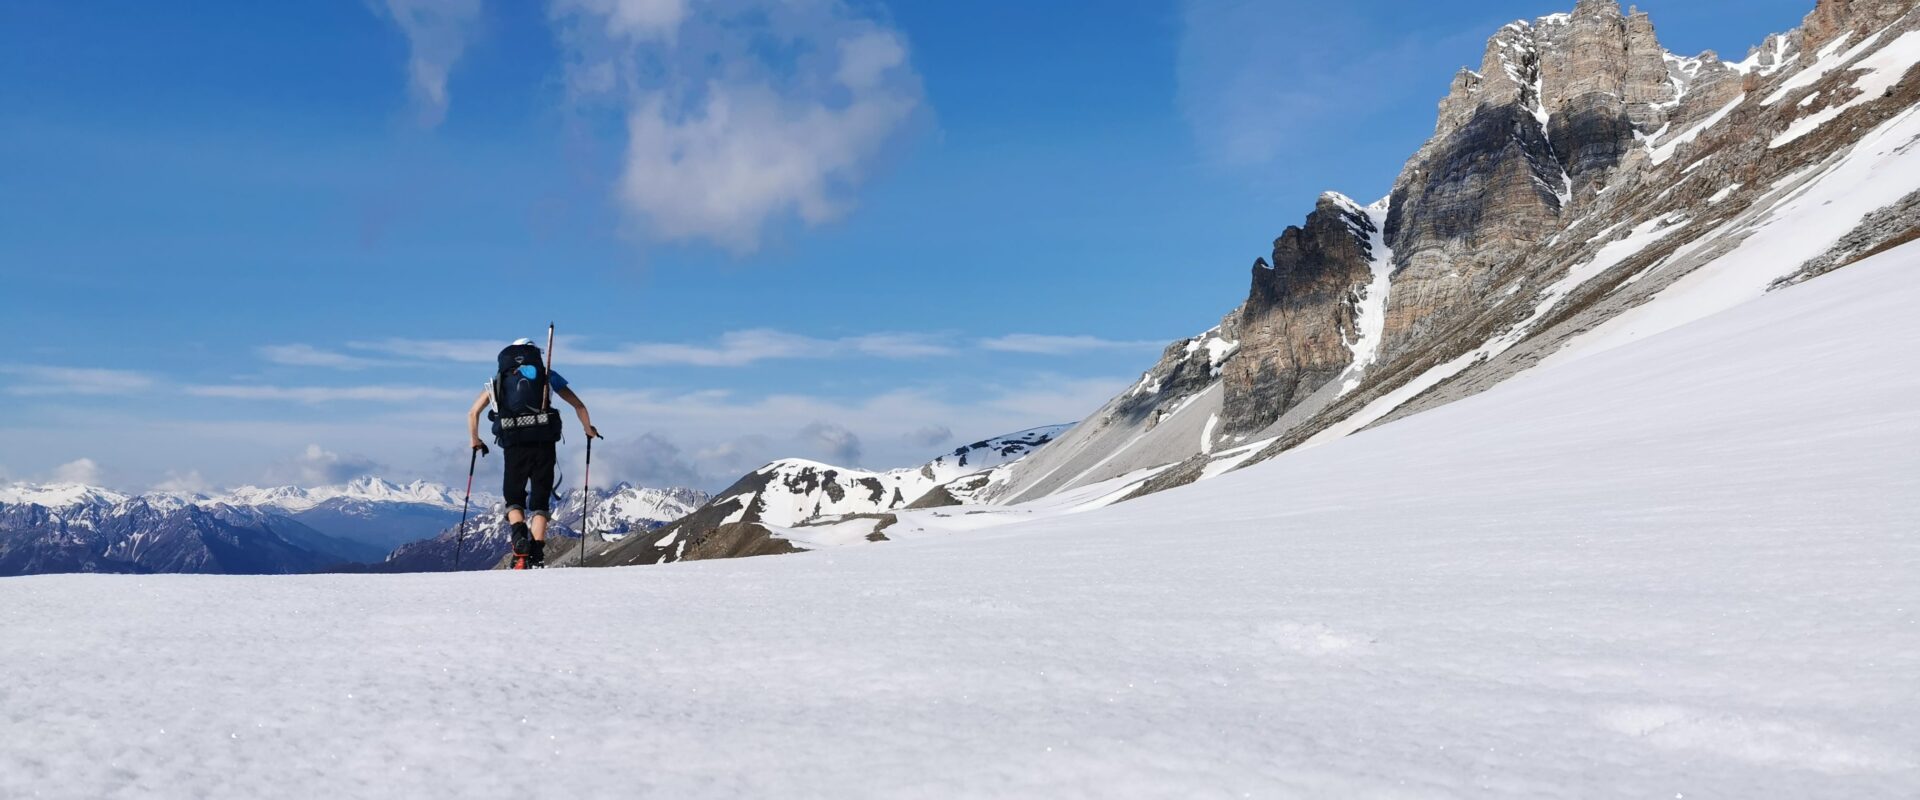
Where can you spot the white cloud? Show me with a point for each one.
(77, 381)
(866, 59)
(1040, 344)
(732, 349)
(466, 351)
(892, 428)
(304, 355)
(899, 345)
(80, 470)
(318, 466)
(190, 482)
(929, 436)
(317, 395)
(647, 460)
(721, 434)
(438, 32)
(740, 114)
(841, 445)
(635, 21)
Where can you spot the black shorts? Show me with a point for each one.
(530, 464)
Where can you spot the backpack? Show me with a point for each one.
(520, 399)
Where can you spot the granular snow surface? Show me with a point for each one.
(1685, 567)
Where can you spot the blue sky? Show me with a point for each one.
(276, 242)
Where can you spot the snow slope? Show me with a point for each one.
(1682, 567)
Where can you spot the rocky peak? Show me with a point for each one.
(1298, 312)
(1577, 174)
(1650, 88)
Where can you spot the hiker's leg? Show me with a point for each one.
(513, 486)
(514, 489)
(540, 497)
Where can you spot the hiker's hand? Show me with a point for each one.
(480, 446)
(594, 433)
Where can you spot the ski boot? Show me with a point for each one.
(522, 545)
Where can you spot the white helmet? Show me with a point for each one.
(522, 341)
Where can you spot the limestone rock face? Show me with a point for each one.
(1584, 88)
(1833, 19)
(1580, 170)
(1650, 86)
(1475, 199)
(1294, 325)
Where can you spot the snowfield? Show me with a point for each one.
(1685, 567)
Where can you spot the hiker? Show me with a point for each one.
(527, 430)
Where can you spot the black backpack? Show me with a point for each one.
(521, 412)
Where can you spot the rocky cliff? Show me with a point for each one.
(1582, 188)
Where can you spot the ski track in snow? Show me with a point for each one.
(1680, 568)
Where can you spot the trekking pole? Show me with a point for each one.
(460, 539)
(586, 502)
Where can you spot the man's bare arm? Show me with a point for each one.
(473, 418)
(579, 407)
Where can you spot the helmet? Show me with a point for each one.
(522, 341)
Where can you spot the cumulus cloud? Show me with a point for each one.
(649, 460)
(841, 446)
(190, 482)
(438, 32)
(317, 466)
(929, 436)
(740, 114)
(727, 460)
(635, 21)
(79, 470)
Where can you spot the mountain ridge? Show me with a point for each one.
(1584, 182)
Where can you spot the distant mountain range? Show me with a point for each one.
(367, 524)
(374, 525)
(618, 513)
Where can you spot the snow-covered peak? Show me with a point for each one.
(59, 495)
(367, 489)
(1776, 52)
(989, 453)
(792, 491)
(292, 499)
(630, 502)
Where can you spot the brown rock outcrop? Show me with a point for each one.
(1294, 324)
